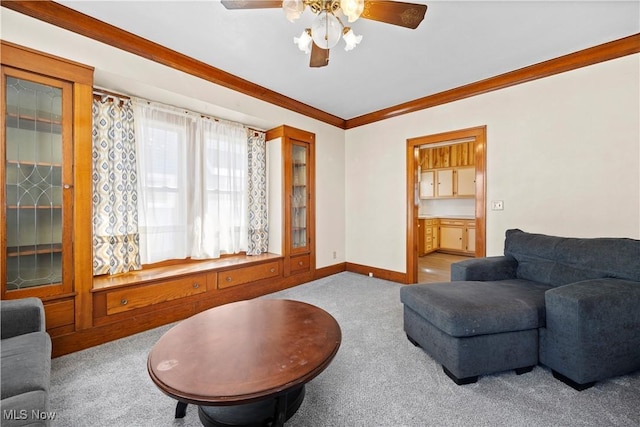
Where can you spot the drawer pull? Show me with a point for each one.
(228, 279)
(273, 270)
(300, 263)
(124, 301)
(196, 286)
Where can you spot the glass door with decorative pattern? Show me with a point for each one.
(299, 193)
(37, 156)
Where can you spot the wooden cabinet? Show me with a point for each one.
(119, 301)
(46, 196)
(298, 198)
(448, 183)
(457, 235)
(465, 182)
(445, 186)
(244, 275)
(428, 236)
(427, 185)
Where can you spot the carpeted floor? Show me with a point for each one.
(377, 379)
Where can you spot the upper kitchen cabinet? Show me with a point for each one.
(447, 171)
(46, 170)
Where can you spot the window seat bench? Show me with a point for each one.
(190, 286)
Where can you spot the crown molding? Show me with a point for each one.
(604, 52)
(69, 19)
(79, 23)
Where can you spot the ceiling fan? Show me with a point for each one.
(327, 27)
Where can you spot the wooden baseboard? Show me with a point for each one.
(380, 273)
(330, 270)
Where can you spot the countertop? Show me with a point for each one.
(446, 216)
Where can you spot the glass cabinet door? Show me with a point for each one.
(299, 202)
(37, 177)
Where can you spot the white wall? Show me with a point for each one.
(562, 152)
(129, 74)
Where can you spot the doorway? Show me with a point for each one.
(478, 136)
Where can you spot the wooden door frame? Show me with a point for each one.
(479, 135)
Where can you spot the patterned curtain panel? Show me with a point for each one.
(258, 221)
(115, 215)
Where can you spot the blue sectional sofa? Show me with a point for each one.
(570, 304)
(25, 364)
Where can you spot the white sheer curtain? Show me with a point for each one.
(192, 175)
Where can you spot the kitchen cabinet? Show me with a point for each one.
(465, 182)
(448, 183)
(457, 235)
(427, 236)
(427, 188)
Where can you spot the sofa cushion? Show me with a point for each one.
(26, 363)
(557, 261)
(470, 308)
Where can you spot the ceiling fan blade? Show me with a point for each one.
(319, 56)
(408, 15)
(251, 4)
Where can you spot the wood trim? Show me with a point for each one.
(479, 134)
(69, 19)
(379, 273)
(79, 23)
(82, 204)
(329, 270)
(604, 52)
(42, 63)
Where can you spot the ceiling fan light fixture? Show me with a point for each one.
(352, 9)
(304, 41)
(326, 30)
(293, 9)
(350, 39)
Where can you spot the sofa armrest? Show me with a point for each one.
(592, 329)
(21, 316)
(484, 269)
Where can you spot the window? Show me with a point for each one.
(193, 184)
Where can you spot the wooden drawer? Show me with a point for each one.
(240, 276)
(129, 299)
(59, 313)
(455, 222)
(300, 263)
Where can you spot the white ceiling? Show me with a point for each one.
(459, 42)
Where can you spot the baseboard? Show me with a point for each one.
(380, 273)
(330, 270)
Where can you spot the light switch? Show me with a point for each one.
(497, 205)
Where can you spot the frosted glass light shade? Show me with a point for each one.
(304, 41)
(326, 30)
(293, 9)
(350, 39)
(352, 9)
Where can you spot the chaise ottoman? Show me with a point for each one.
(474, 328)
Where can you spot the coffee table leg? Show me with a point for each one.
(281, 411)
(181, 409)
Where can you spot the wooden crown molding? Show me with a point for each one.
(69, 19)
(604, 52)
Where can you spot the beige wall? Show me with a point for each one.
(563, 153)
(129, 74)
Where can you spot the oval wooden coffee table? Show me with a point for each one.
(245, 363)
